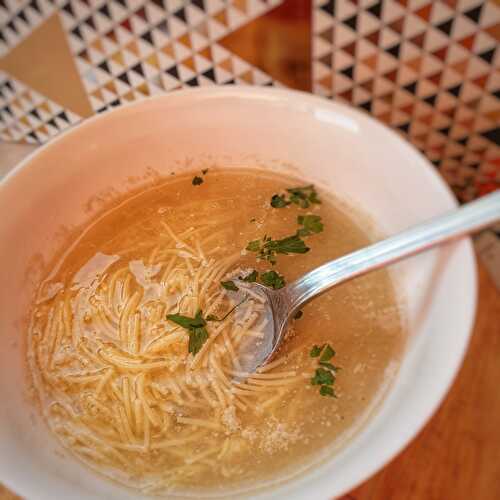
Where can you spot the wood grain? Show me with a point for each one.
(457, 455)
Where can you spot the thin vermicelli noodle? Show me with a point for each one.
(116, 381)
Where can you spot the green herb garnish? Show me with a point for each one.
(229, 285)
(312, 224)
(299, 315)
(267, 248)
(322, 377)
(272, 279)
(325, 373)
(302, 196)
(316, 351)
(198, 334)
(326, 390)
(327, 354)
(204, 171)
(250, 278)
(278, 201)
(197, 180)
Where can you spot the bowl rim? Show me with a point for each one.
(429, 406)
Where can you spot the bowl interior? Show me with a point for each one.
(360, 161)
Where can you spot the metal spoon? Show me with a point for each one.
(280, 305)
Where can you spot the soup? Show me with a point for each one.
(136, 335)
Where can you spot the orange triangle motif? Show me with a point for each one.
(47, 45)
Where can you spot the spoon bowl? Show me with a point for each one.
(278, 306)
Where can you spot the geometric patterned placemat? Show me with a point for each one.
(429, 69)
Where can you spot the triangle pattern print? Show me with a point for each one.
(428, 69)
(26, 115)
(126, 50)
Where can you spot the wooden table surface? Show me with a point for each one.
(457, 455)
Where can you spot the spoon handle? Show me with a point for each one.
(465, 220)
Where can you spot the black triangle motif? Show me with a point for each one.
(63, 116)
(173, 72)
(444, 130)
(33, 136)
(475, 13)
(455, 90)
(7, 109)
(104, 66)
(349, 72)
(90, 22)
(147, 37)
(12, 26)
(329, 7)
(138, 69)
(34, 112)
(22, 15)
(488, 55)
(104, 10)
(210, 74)
(366, 105)
(2, 37)
(493, 135)
(115, 103)
(69, 9)
(163, 26)
(52, 123)
(124, 78)
(159, 3)
(411, 87)
(446, 27)
(352, 22)
(123, 3)
(394, 50)
(376, 9)
(76, 32)
(181, 14)
(34, 5)
(405, 127)
(431, 100)
(193, 82)
(199, 3)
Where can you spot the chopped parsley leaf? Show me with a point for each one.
(197, 180)
(326, 390)
(251, 277)
(312, 224)
(322, 377)
(272, 279)
(316, 351)
(327, 354)
(325, 373)
(303, 196)
(229, 285)
(253, 246)
(267, 248)
(298, 315)
(198, 334)
(197, 337)
(278, 201)
(204, 171)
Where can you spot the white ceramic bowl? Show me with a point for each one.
(361, 161)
